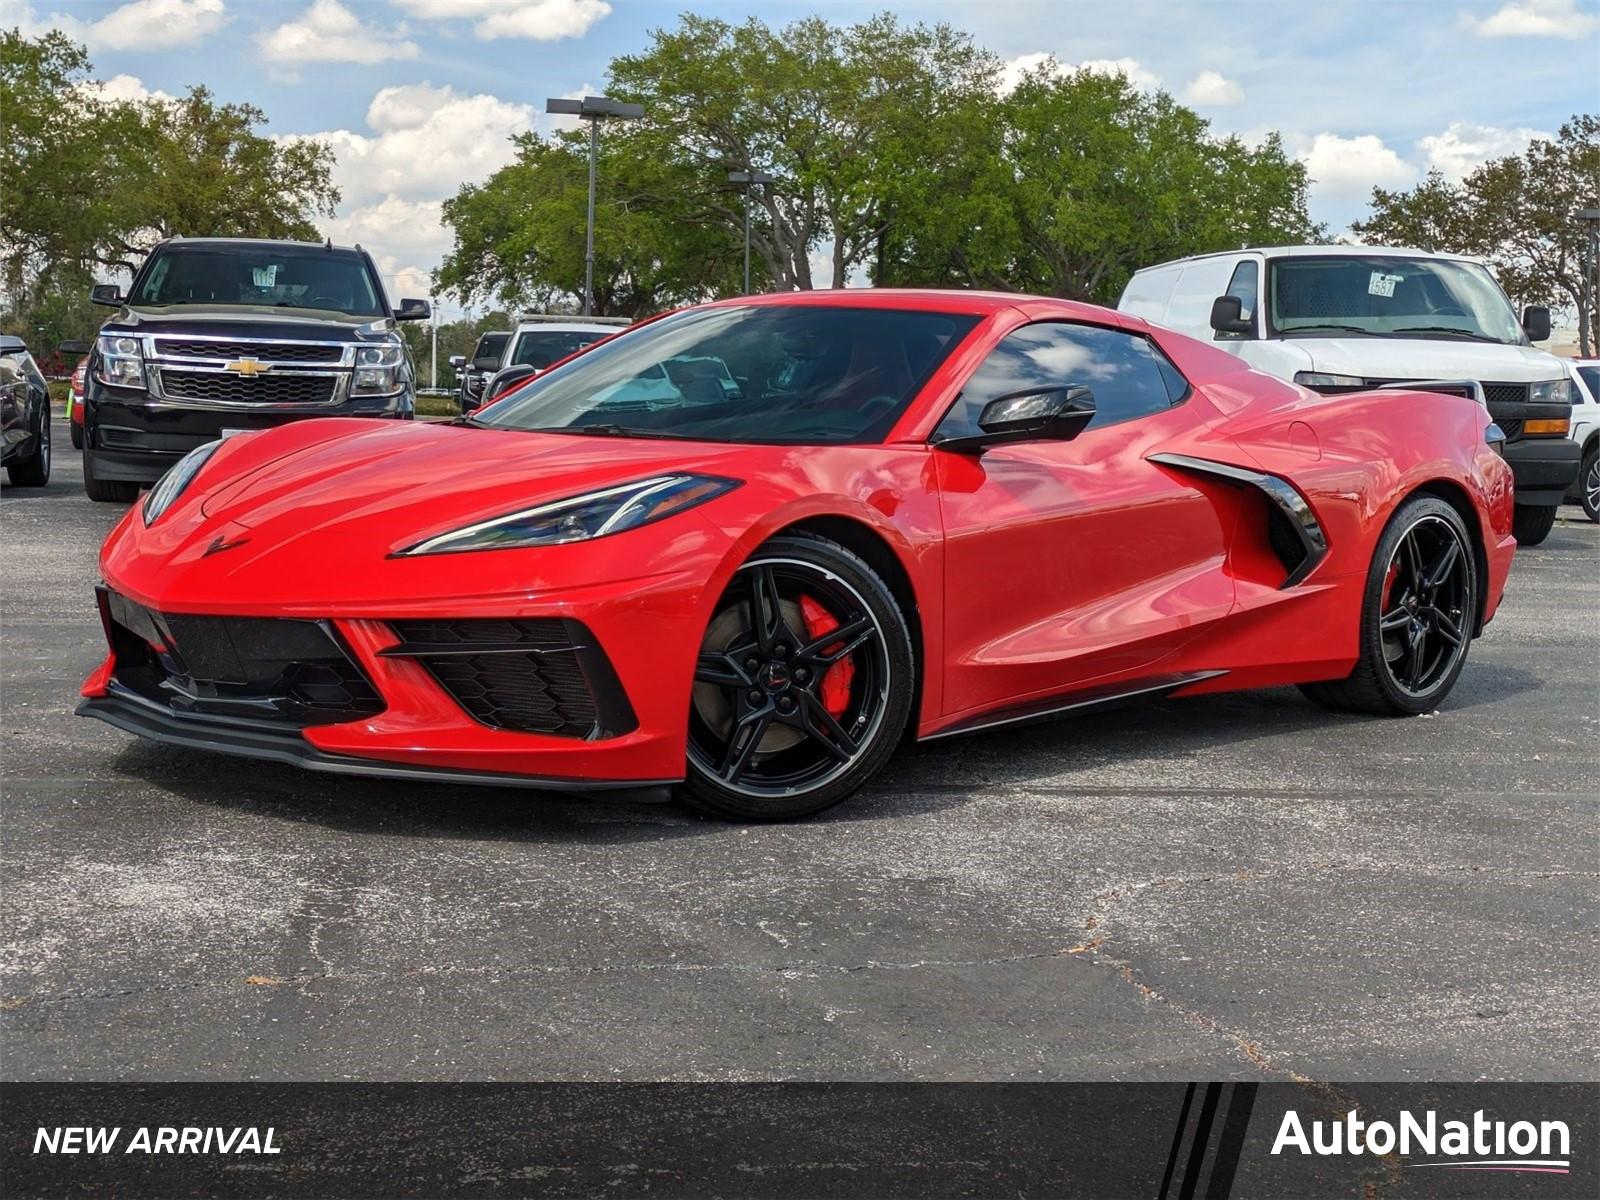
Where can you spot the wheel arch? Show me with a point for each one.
(1456, 497)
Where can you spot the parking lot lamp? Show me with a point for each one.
(748, 179)
(1590, 218)
(592, 109)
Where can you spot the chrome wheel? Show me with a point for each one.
(792, 681)
(1591, 486)
(1426, 616)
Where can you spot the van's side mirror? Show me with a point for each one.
(457, 361)
(108, 294)
(1055, 413)
(1227, 316)
(413, 310)
(1536, 323)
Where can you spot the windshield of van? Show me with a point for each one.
(769, 373)
(541, 347)
(272, 276)
(1382, 296)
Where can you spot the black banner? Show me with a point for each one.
(1164, 1141)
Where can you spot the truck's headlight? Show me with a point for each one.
(121, 361)
(1550, 391)
(1322, 379)
(179, 476)
(378, 369)
(581, 518)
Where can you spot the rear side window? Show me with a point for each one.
(1591, 379)
(1127, 373)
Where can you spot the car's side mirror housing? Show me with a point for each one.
(108, 294)
(457, 361)
(413, 310)
(487, 365)
(1056, 413)
(509, 378)
(1227, 316)
(1536, 323)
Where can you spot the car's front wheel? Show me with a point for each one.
(1531, 523)
(1417, 616)
(1589, 482)
(34, 471)
(803, 685)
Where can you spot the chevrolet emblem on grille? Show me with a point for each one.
(247, 367)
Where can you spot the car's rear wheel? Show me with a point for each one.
(1417, 615)
(803, 685)
(110, 491)
(1531, 523)
(77, 435)
(34, 471)
(1589, 482)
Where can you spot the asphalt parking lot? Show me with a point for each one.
(1239, 887)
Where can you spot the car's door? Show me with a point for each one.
(1072, 562)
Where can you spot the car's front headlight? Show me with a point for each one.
(1322, 379)
(582, 518)
(1550, 391)
(179, 476)
(121, 360)
(378, 368)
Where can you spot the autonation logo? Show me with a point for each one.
(1478, 1145)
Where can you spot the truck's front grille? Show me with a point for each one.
(221, 387)
(1505, 393)
(288, 352)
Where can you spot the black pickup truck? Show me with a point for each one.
(217, 335)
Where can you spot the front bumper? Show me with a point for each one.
(1544, 468)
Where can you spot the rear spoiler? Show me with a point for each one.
(1469, 388)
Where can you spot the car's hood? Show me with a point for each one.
(245, 320)
(1428, 358)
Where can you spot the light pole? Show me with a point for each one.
(749, 179)
(1591, 218)
(433, 357)
(592, 109)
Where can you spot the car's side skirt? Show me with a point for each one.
(1048, 708)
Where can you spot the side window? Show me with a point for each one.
(1246, 285)
(1128, 375)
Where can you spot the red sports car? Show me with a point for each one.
(747, 547)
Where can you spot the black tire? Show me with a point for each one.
(1589, 483)
(1398, 600)
(107, 491)
(1531, 523)
(750, 757)
(77, 436)
(34, 471)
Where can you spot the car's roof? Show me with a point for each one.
(180, 243)
(1320, 251)
(951, 300)
(576, 325)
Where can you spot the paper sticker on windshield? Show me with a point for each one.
(1381, 284)
(266, 277)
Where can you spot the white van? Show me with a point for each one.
(1346, 318)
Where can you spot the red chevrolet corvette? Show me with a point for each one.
(747, 547)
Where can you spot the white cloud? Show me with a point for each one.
(1537, 18)
(140, 25)
(330, 32)
(128, 88)
(1212, 89)
(1463, 146)
(1012, 71)
(537, 20)
(1348, 168)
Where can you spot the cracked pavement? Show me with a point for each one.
(1242, 887)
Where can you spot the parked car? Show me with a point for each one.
(75, 403)
(934, 511)
(224, 335)
(1346, 318)
(24, 416)
(1586, 433)
(539, 342)
(472, 373)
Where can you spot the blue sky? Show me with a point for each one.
(417, 96)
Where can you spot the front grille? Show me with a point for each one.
(1505, 393)
(544, 675)
(226, 388)
(1511, 427)
(293, 352)
(281, 670)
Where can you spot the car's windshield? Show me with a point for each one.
(541, 347)
(273, 276)
(1389, 296)
(799, 373)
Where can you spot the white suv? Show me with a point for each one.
(1586, 432)
(1348, 318)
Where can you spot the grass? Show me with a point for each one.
(437, 406)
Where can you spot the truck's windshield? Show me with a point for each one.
(271, 276)
(541, 347)
(1388, 296)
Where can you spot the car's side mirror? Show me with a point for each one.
(487, 365)
(1227, 316)
(457, 361)
(1057, 413)
(1536, 323)
(413, 310)
(108, 294)
(510, 378)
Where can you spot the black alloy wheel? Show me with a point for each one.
(1418, 617)
(34, 471)
(802, 686)
(1589, 482)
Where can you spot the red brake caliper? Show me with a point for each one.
(835, 687)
